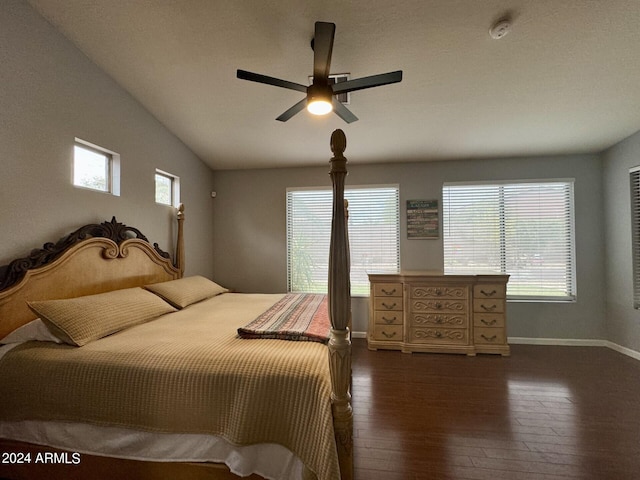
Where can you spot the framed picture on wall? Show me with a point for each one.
(422, 219)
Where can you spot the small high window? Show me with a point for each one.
(96, 168)
(167, 188)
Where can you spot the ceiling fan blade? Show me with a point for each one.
(343, 112)
(367, 82)
(322, 48)
(297, 108)
(256, 77)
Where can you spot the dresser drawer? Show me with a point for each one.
(495, 320)
(387, 289)
(439, 291)
(392, 317)
(385, 304)
(386, 333)
(488, 336)
(482, 305)
(439, 305)
(490, 291)
(438, 320)
(439, 336)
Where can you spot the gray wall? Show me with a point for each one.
(623, 321)
(250, 233)
(51, 93)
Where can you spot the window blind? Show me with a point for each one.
(522, 229)
(634, 177)
(374, 236)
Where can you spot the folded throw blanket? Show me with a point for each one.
(298, 316)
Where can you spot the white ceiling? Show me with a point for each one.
(566, 79)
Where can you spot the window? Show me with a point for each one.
(167, 188)
(96, 168)
(374, 227)
(522, 229)
(634, 177)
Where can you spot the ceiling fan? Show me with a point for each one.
(321, 95)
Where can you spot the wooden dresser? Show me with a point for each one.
(417, 312)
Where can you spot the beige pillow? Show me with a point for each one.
(78, 321)
(185, 291)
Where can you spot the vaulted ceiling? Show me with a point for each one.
(565, 79)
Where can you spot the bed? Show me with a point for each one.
(129, 368)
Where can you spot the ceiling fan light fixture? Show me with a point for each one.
(319, 99)
(319, 106)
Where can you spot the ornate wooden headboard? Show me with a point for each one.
(95, 258)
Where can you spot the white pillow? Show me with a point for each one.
(34, 330)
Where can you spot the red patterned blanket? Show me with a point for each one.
(297, 316)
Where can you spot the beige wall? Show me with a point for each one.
(250, 230)
(51, 93)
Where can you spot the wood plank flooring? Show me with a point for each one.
(545, 413)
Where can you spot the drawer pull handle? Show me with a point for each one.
(438, 305)
(438, 334)
(492, 322)
(488, 309)
(489, 339)
(389, 320)
(389, 335)
(488, 294)
(386, 292)
(388, 307)
(438, 291)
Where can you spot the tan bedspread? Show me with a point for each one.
(186, 372)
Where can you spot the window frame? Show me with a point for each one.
(174, 188)
(359, 289)
(112, 169)
(503, 245)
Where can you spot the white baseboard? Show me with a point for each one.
(576, 342)
(623, 350)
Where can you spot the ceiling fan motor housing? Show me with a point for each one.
(319, 91)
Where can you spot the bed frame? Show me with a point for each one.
(102, 257)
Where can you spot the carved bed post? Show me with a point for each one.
(179, 258)
(340, 311)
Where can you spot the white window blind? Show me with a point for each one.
(525, 230)
(634, 177)
(374, 236)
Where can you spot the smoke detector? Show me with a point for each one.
(500, 28)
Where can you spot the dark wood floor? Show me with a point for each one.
(545, 413)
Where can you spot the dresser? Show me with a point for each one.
(419, 312)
